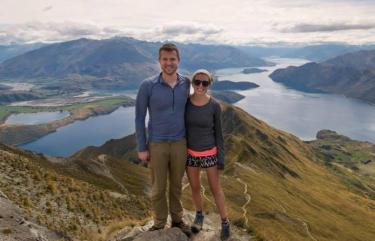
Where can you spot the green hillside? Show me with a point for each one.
(277, 187)
(293, 195)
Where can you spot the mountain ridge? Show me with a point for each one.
(289, 185)
(277, 187)
(115, 62)
(352, 75)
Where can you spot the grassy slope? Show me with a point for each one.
(353, 161)
(64, 198)
(294, 196)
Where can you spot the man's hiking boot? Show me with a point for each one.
(184, 228)
(198, 223)
(225, 230)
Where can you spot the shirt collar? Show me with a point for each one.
(179, 79)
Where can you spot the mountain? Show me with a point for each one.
(113, 61)
(276, 186)
(323, 52)
(79, 200)
(12, 50)
(16, 226)
(197, 56)
(227, 96)
(7, 97)
(352, 75)
(353, 161)
(317, 53)
(116, 62)
(233, 85)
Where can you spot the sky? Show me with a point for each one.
(238, 22)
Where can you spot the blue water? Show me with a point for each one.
(35, 118)
(92, 131)
(302, 114)
(299, 113)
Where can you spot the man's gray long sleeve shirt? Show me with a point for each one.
(166, 106)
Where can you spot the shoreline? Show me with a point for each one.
(20, 134)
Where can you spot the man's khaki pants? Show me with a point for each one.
(167, 159)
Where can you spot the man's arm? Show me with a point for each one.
(140, 116)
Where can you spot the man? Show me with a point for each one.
(164, 96)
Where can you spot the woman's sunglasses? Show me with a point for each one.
(204, 83)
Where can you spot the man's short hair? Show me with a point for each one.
(169, 47)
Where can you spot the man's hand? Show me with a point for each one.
(144, 156)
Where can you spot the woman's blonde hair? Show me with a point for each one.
(202, 71)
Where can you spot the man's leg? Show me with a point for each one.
(177, 167)
(159, 157)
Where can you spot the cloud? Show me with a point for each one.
(52, 32)
(309, 28)
(47, 8)
(184, 32)
(176, 29)
(62, 31)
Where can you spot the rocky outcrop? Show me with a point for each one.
(210, 232)
(14, 225)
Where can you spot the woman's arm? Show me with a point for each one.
(219, 136)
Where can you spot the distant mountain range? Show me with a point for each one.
(12, 50)
(116, 62)
(317, 53)
(351, 74)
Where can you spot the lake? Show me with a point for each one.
(302, 114)
(92, 131)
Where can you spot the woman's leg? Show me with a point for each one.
(195, 185)
(214, 182)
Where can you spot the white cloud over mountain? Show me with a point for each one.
(209, 21)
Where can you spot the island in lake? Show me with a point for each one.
(253, 71)
(230, 97)
(232, 85)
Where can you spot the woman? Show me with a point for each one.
(205, 148)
